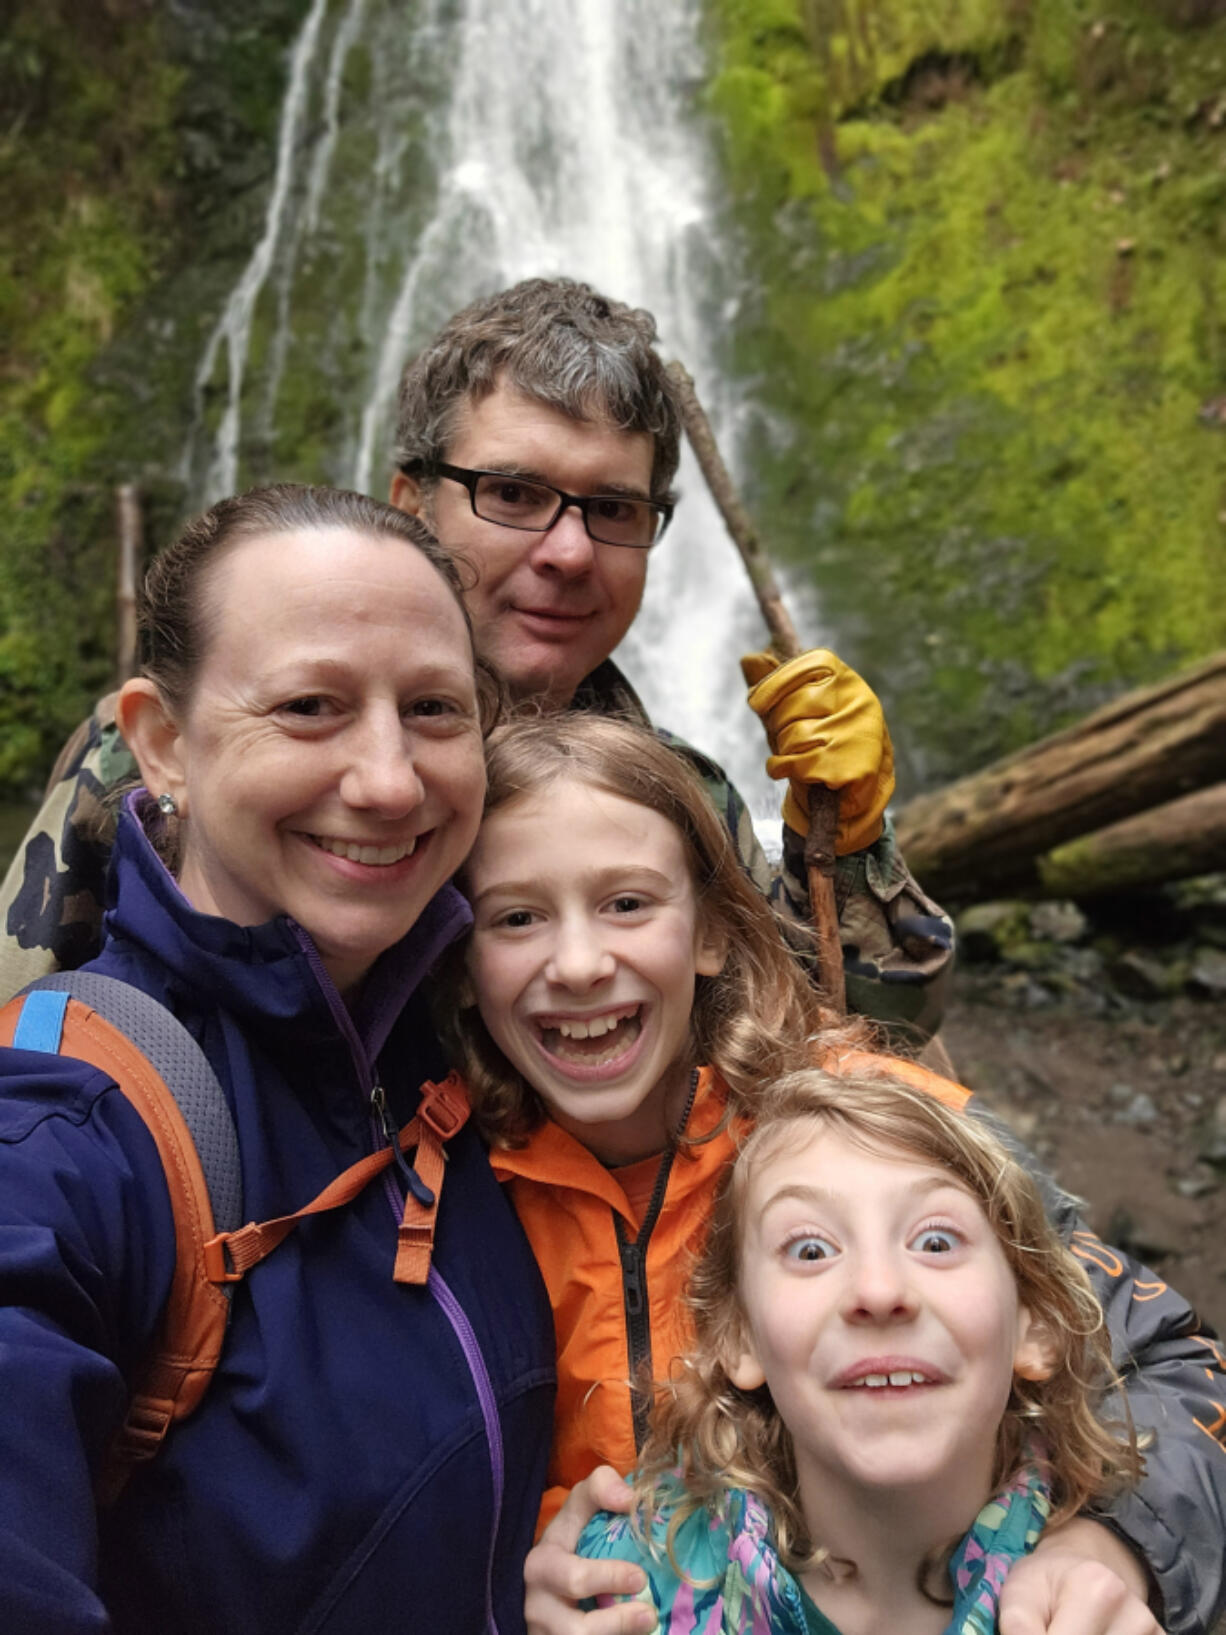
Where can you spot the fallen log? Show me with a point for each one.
(1184, 838)
(980, 837)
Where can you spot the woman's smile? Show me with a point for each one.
(369, 852)
(330, 770)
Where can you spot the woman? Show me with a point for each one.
(369, 1455)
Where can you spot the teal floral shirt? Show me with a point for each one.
(731, 1581)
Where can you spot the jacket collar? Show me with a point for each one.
(607, 692)
(552, 1157)
(266, 972)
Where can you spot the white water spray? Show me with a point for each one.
(508, 138)
(234, 325)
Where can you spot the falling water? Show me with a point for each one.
(493, 140)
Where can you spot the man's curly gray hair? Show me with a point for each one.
(556, 341)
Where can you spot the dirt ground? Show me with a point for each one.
(1128, 1111)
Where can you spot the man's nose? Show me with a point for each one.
(578, 959)
(382, 775)
(565, 547)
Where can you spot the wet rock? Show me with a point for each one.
(1207, 973)
(1140, 976)
(1198, 1184)
(1084, 964)
(1132, 1232)
(1058, 922)
(1020, 990)
(1212, 1148)
(1140, 1110)
(985, 929)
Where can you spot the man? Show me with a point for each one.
(538, 435)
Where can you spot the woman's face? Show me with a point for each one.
(331, 756)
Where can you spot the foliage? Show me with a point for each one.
(991, 338)
(116, 140)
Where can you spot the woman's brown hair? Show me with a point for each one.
(172, 616)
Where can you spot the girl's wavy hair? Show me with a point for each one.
(711, 1436)
(751, 1022)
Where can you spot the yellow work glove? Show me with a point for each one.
(825, 726)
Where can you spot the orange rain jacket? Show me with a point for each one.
(616, 1284)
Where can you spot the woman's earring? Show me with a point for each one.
(167, 805)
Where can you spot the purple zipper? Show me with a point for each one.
(365, 1068)
(471, 1348)
(451, 1307)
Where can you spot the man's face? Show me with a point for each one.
(547, 608)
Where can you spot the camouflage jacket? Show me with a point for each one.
(897, 944)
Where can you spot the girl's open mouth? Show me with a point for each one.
(593, 1041)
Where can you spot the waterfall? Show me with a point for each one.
(493, 140)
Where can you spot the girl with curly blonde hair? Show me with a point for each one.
(897, 1379)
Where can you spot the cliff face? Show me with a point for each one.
(987, 330)
(134, 139)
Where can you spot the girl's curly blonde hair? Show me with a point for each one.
(715, 1436)
(752, 1022)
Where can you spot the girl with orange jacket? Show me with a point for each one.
(626, 994)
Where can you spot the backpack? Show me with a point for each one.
(159, 1067)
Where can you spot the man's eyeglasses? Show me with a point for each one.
(517, 502)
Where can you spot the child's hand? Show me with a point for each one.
(1081, 1580)
(556, 1579)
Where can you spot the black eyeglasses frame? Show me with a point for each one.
(468, 478)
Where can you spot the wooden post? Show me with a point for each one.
(131, 534)
(823, 802)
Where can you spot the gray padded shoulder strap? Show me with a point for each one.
(185, 1069)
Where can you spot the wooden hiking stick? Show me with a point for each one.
(823, 802)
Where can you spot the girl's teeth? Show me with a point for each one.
(901, 1377)
(381, 856)
(594, 1027)
(581, 1041)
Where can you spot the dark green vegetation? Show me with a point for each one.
(133, 134)
(987, 330)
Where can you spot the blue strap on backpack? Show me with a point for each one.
(163, 1072)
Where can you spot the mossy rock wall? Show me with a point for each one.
(134, 140)
(985, 325)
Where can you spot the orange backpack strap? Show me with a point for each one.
(444, 1111)
(162, 1071)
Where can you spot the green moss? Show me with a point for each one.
(990, 242)
(116, 139)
